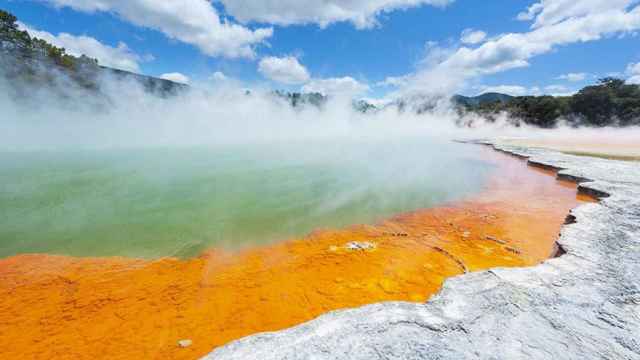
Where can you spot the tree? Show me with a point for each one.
(8, 21)
(611, 82)
(610, 102)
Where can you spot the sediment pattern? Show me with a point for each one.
(584, 304)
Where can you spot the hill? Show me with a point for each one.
(27, 61)
(610, 102)
(491, 97)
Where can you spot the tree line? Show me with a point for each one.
(610, 102)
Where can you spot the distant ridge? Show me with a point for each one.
(490, 97)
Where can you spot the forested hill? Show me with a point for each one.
(491, 97)
(25, 60)
(610, 102)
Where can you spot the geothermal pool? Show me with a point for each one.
(121, 307)
(150, 203)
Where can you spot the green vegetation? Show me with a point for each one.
(19, 43)
(29, 62)
(611, 102)
(611, 99)
(364, 107)
(298, 99)
(481, 99)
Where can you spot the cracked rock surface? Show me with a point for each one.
(583, 305)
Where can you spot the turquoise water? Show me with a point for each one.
(179, 201)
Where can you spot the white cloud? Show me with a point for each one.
(393, 81)
(336, 86)
(194, 22)
(558, 90)
(435, 53)
(513, 90)
(518, 90)
(219, 76)
(573, 77)
(633, 70)
(176, 77)
(286, 70)
(119, 57)
(615, 74)
(549, 12)
(470, 36)
(514, 50)
(362, 13)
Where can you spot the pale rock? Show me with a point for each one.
(185, 343)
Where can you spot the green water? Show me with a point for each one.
(180, 201)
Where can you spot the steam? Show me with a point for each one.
(122, 114)
(240, 168)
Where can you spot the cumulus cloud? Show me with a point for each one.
(218, 76)
(344, 86)
(549, 12)
(286, 70)
(119, 57)
(194, 22)
(472, 37)
(513, 50)
(556, 88)
(633, 70)
(362, 13)
(573, 77)
(176, 77)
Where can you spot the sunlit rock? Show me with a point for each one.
(185, 343)
(360, 246)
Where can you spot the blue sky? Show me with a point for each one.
(394, 38)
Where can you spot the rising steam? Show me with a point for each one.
(122, 113)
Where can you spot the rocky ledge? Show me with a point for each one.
(583, 304)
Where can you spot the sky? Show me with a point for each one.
(374, 49)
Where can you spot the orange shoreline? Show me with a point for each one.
(77, 308)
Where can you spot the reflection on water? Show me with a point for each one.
(178, 201)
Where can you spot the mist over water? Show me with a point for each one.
(132, 174)
(179, 201)
(123, 172)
